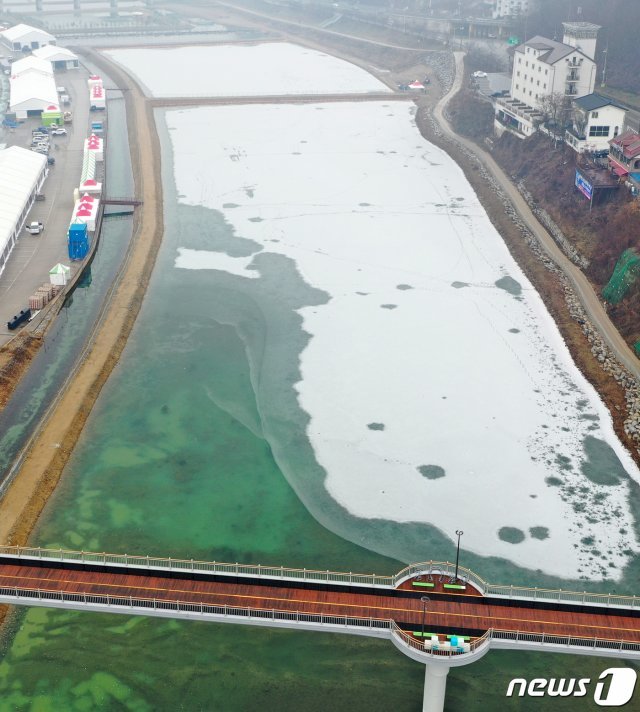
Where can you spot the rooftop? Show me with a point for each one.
(13, 34)
(553, 51)
(596, 101)
(628, 143)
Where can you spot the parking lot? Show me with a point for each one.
(34, 255)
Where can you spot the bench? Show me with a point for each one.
(424, 584)
(456, 586)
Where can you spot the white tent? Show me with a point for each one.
(31, 93)
(60, 57)
(22, 173)
(59, 274)
(20, 36)
(31, 64)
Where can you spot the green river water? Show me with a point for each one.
(181, 458)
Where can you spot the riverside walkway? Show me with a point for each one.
(477, 615)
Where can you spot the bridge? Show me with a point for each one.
(461, 620)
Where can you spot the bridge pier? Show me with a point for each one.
(435, 686)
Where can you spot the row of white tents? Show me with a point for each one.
(32, 87)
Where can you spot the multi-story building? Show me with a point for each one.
(514, 8)
(595, 121)
(547, 76)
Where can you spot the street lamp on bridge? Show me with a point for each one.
(459, 533)
(425, 600)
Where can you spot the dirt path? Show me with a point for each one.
(581, 286)
(50, 450)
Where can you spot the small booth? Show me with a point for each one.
(94, 144)
(52, 116)
(78, 242)
(91, 186)
(86, 211)
(59, 274)
(96, 97)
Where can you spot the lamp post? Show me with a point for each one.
(604, 68)
(459, 533)
(425, 600)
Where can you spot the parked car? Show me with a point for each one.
(479, 75)
(35, 228)
(59, 131)
(51, 160)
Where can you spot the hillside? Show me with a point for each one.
(601, 235)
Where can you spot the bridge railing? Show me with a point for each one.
(577, 643)
(195, 566)
(524, 593)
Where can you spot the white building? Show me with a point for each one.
(20, 36)
(60, 57)
(22, 173)
(31, 64)
(596, 120)
(514, 8)
(546, 75)
(32, 93)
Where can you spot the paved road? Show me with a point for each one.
(277, 20)
(581, 286)
(33, 256)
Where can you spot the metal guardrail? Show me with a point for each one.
(445, 568)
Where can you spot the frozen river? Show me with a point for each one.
(437, 387)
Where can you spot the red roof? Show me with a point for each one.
(90, 181)
(94, 77)
(83, 214)
(619, 170)
(52, 107)
(628, 143)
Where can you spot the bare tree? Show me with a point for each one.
(556, 109)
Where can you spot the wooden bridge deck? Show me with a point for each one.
(456, 612)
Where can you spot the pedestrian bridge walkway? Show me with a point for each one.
(485, 616)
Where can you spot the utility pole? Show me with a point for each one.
(604, 66)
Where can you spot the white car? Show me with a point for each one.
(59, 132)
(479, 75)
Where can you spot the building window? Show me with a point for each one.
(544, 86)
(517, 86)
(594, 114)
(518, 73)
(546, 71)
(599, 131)
(538, 83)
(527, 63)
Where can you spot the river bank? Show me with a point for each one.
(45, 461)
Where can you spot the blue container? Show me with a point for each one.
(78, 241)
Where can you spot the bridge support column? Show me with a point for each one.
(435, 686)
